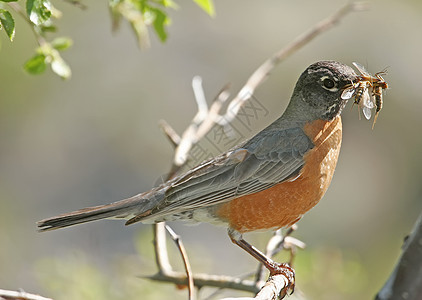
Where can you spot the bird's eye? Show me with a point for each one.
(328, 83)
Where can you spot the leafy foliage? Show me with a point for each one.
(38, 11)
(7, 23)
(49, 54)
(141, 15)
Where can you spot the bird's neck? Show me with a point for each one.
(319, 130)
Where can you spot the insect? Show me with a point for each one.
(379, 86)
(368, 91)
(377, 93)
(363, 98)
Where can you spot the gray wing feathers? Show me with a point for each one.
(267, 159)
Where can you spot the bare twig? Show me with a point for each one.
(160, 249)
(185, 259)
(201, 280)
(406, 280)
(189, 136)
(277, 243)
(200, 99)
(169, 132)
(292, 244)
(274, 288)
(20, 295)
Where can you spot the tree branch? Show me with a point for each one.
(202, 280)
(160, 249)
(20, 295)
(185, 259)
(275, 288)
(406, 280)
(169, 132)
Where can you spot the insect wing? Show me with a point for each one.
(348, 93)
(367, 112)
(367, 104)
(368, 99)
(361, 69)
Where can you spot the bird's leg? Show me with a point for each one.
(275, 268)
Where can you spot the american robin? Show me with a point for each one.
(268, 182)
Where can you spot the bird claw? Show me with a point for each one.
(285, 270)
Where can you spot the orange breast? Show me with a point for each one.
(285, 203)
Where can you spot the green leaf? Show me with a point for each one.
(207, 6)
(8, 0)
(36, 64)
(7, 22)
(168, 3)
(48, 28)
(61, 43)
(39, 11)
(159, 23)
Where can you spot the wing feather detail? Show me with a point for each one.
(267, 159)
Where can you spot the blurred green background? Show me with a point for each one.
(94, 139)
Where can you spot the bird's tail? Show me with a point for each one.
(122, 209)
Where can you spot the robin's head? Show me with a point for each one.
(318, 91)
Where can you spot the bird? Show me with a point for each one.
(265, 183)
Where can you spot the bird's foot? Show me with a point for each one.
(284, 269)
